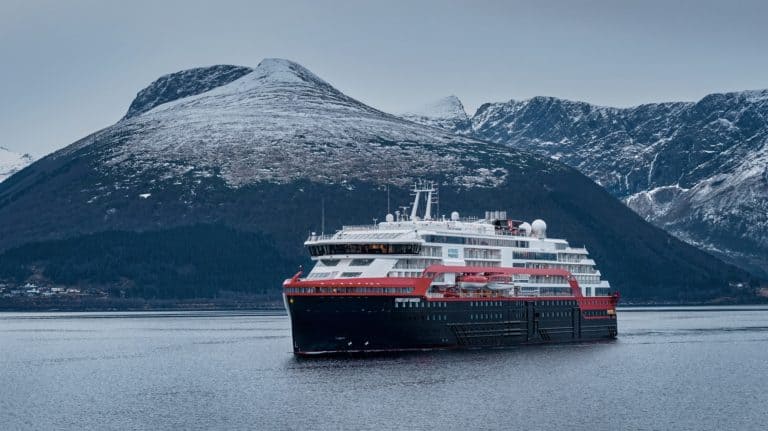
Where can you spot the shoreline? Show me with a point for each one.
(262, 303)
(102, 304)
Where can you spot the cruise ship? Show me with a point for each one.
(417, 281)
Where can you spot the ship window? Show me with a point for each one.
(360, 262)
(445, 239)
(453, 253)
(533, 255)
(351, 274)
(330, 262)
(326, 249)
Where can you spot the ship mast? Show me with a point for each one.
(431, 191)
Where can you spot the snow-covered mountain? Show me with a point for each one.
(257, 150)
(699, 170)
(446, 113)
(314, 132)
(11, 162)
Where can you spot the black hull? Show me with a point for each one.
(346, 324)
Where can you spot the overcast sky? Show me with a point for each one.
(71, 67)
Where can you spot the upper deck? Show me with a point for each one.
(403, 246)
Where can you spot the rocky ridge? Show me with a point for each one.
(697, 169)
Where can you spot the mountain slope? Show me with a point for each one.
(10, 162)
(258, 155)
(699, 170)
(183, 84)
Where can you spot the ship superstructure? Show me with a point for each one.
(463, 263)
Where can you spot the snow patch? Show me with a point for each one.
(11, 162)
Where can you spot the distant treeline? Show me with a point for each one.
(201, 261)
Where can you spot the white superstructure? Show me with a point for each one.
(405, 245)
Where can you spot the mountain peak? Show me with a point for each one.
(281, 70)
(447, 113)
(753, 95)
(446, 107)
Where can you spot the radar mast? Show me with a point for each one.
(430, 189)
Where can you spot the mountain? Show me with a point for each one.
(10, 162)
(698, 170)
(245, 163)
(446, 113)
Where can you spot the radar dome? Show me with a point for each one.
(390, 218)
(539, 228)
(455, 216)
(525, 228)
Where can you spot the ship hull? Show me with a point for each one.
(359, 324)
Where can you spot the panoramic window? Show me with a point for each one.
(331, 249)
(533, 255)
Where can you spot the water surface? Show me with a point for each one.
(684, 368)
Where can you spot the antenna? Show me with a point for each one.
(387, 198)
(415, 208)
(322, 216)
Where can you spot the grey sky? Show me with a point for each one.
(72, 67)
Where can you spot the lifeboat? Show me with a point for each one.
(472, 281)
(500, 282)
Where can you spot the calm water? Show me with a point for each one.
(670, 369)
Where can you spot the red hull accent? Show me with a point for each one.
(417, 287)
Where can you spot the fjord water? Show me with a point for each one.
(684, 368)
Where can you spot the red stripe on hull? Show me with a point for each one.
(418, 287)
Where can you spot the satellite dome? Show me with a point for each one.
(539, 228)
(455, 216)
(525, 227)
(390, 218)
